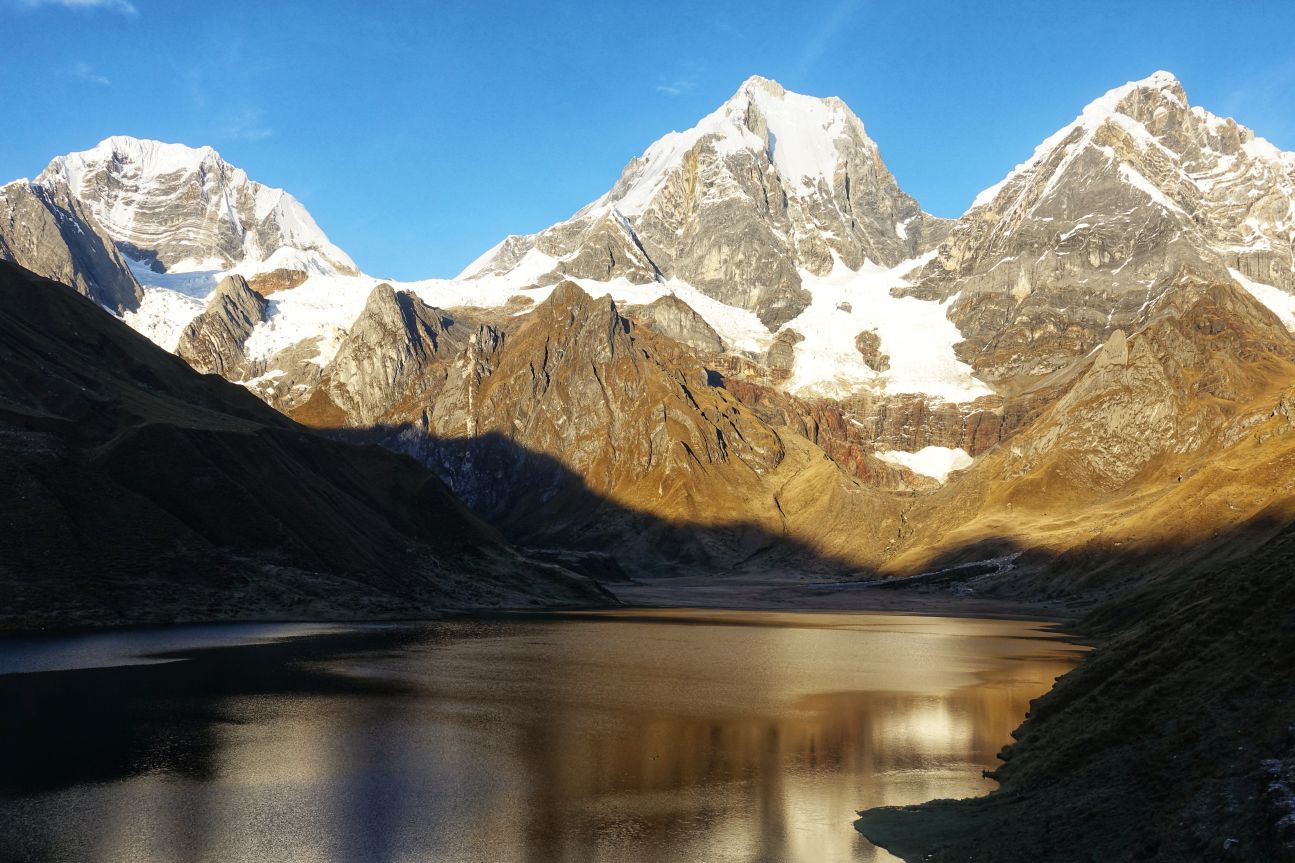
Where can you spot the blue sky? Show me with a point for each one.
(419, 134)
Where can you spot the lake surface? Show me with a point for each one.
(630, 736)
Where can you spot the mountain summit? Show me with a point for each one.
(1078, 240)
(182, 209)
(769, 186)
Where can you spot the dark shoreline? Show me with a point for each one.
(643, 595)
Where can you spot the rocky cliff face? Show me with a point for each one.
(675, 319)
(390, 356)
(213, 342)
(178, 208)
(1177, 386)
(571, 426)
(47, 231)
(1077, 241)
(770, 184)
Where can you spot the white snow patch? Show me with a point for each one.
(271, 375)
(1278, 301)
(162, 316)
(1134, 178)
(916, 334)
(319, 306)
(937, 462)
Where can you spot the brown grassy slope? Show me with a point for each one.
(1171, 438)
(139, 490)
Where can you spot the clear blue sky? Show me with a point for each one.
(419, 134)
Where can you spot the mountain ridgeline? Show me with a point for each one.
(141, 491)
(755, 342)
(754, 353)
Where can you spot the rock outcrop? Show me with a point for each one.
(283, 279)
(675, 319)
(213, 342)
(389, 355)
(47, 231)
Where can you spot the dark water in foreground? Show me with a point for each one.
(675, 736)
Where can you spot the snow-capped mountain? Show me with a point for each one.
(182, 209)
(767, 219)
(754, 326)
(1080, 239)
(771, 237)
(770, 186)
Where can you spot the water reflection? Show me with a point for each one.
(629, 737)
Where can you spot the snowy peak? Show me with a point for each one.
(132, 156)
(1137, 102)
(181, 209)
(771, 186)
(1081, 239)
(802, 136)
(1206, 174)
(1172, 152)
(799, 134)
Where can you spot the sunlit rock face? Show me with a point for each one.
(48, 231)
(213, 342)
(1183, 384)
(675, 319)
(570, 425)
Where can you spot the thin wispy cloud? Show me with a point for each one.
(676, 86)
(822, 38)
(246, 124)
(84, 73)
(124, 7)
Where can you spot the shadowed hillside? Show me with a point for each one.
(139, 490)
(1174, 741)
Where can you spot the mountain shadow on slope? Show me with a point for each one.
(541, 504)
(1172, 741)
(140, 490)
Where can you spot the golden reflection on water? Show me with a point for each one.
(638, 736)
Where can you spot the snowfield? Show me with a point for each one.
(916, 334)
(1278, 301)
(937, 462)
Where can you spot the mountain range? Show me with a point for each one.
(790, 359)
(755, 353)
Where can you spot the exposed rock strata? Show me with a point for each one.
(213, 342)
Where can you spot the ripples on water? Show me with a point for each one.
(635, 736)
